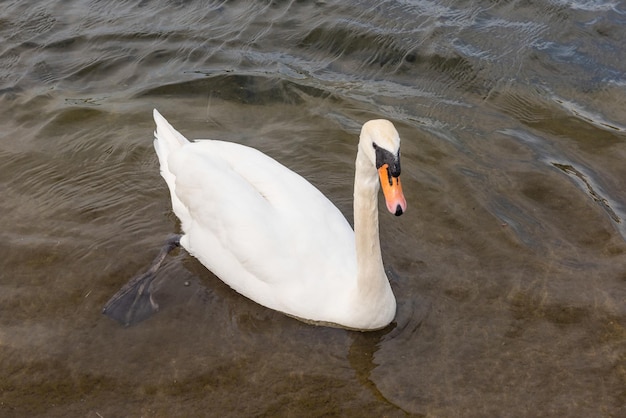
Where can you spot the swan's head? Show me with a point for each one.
(381, 143)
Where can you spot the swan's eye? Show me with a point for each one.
(384, 156)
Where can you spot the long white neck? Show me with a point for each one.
(374, 291)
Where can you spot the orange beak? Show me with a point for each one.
(392, 190)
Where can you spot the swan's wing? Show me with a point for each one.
(246, 211)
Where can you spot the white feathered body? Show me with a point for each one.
(261, 228)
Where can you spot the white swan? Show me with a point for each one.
(276, 239)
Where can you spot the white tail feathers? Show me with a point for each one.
(166, 132)
(166, 141)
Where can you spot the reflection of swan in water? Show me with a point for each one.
(364, 355)
(272, 236)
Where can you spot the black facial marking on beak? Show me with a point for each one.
(386, 157)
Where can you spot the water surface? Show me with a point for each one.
(509, 266)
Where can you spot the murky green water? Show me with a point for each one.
(509, 266)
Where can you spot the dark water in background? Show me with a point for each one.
(509, 267)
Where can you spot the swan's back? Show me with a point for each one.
(260, 227)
